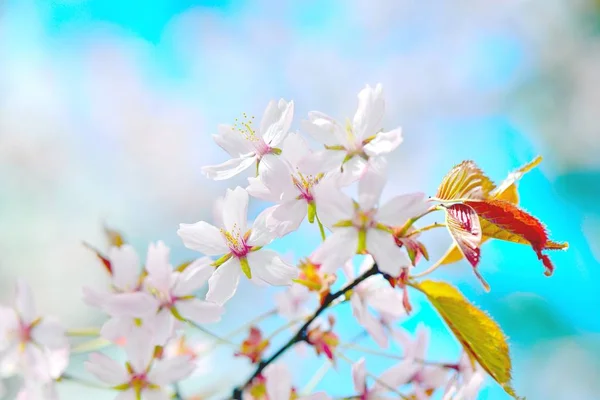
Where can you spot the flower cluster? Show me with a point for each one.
(368, 256)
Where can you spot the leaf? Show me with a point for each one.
(464, 226)
(507, 190)
(115, 238)
(479, 334)
(464, 181)
(506, 221)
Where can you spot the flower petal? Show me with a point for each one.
(332, 205)
(388, 256)
(267, 266)
(155, 394)
(401, 208)
(359, 376)
(371, 184)
(278, 382)
(157, 263)
(129, 394)
(374, 327)
(203, 237)
(224, 281)
(397, 375)
(287, 217)
(230, 140)
(371, 107)
(235, 210)
(384, 142)
(169, 370)
(275, 125)
(200, 312)
(258, 189)
(261, 233)
(132, 305)
(48, 332)
(229, 168)
(294, 149)
(9, 322)
(139, 349)
(24, 303)
(193, 277)
(125, 267)
(324, 129)
(106, 369)
(338, 248)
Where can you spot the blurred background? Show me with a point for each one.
(107, 107)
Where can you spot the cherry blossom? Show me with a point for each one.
(323, 340)
(467, 383)
(174, 291)
(291, 303)
(195, 348)
(425, 376)
(376, 293)
(247, 145)
(363, 226)
(349, 147)
(142, 376)
(288, 182)
(276, 384)
(30, 344)
(241, 249)
(253, 346)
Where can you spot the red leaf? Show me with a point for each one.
(463, 224)
(511, 218)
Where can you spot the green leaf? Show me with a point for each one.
(480, 335)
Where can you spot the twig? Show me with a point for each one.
(301, 333)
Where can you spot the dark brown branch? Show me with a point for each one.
(301, 334)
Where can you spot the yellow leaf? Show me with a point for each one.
(507, 190)
(464, 182)
(480, 335)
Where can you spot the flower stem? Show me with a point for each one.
(300, 335)
(84, 332)
(426, 228)
(321, 228)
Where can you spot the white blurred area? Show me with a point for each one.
(99, 125)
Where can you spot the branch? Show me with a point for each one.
(301, 333)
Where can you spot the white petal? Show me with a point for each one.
(169, 370)
(132, 305)
(374, 327)
(397, 375)
(358, 307)
(294, 149)
(224, 281)
(203, 237)
(276, 173)
(337, 249)
(267, 266)
(352, 170)
(384, 143)
(49, 333)
(258, 189)
(359, 376)
(232, 141)
(193, 277)
(106, 369)
(261, 233)
(157, 262)
(129, 394)
(324, 129)
(371, 107)
(401, 208)
(371, 184)
(332, 205)
(279, 382)
(155, 394)
(235, 210)
(24, 303)
(388, 256)
(139, 349)
(161, 326)
(287, 217)
(125, 267)
(275, 132)
(387, 301)
(229, 168)
(9, 322)
(93, 297)
(200, 312)
(316, 396)
(117, 328)
(322, 162)
(270, 116)
(58, 360)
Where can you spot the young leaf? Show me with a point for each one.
(464, 181)
(507, 190)
(480, 335)
(115, 238)
(463, 223)
(506, 221)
